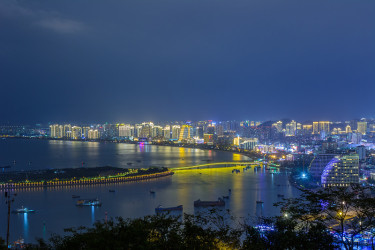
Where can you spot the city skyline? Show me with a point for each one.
(186, 60)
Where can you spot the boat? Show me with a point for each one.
(75, 196)
(152, 192)
(219, 203)
(260, 202)
(112, 191)
(167, 209)
(93, 202)
(129, 163)
(280, 195)
(225, 196)
(23, 210)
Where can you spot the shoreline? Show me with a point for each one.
(83, 181)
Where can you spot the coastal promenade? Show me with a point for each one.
(81, 182)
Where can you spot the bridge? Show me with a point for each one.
(223, 164)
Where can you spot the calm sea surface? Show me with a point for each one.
(56, 210)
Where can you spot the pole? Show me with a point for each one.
(8, 220)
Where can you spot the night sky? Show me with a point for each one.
(133, 60)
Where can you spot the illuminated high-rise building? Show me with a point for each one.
(157, 131)
(307, 129)
(341, 171)
(185, 132)
(68, 131)
(85, 132)
(167, 132)
(236, 141)
(175, 132)
(278, 125)
(93, 134)
(138, 129)
(315, 128)
(219, 130)
(317, 165)
(348, 129)
(61, 131)
(299, 126)
(76, 133)
(147, 129)
(54, 131)
(324, 126)
(126, 130)
(318, 127)
(362, 127)
(290, 128)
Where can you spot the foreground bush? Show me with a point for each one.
(211, 231)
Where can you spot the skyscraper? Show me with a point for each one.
(175, 132)
(291, 128)
(185, 132)
(348, 129)
(146, 130)
(315, 128)
(126, 130)
(76, 132)
(85, 131)
(324, 126)
(307, 129)
(93, 134)
(157, 131)
(167, 132)
(54, 131)
(362, 127)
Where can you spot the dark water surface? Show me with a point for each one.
(56, 210)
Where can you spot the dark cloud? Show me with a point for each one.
(132, 60)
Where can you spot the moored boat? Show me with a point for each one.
(23, 210)
(260, 202)
(75, 196)
(166, 209)
(93, 202)
(219, 203)
(112, 191)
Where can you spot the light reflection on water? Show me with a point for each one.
(25, 227)
(56, 210)
(66, 154)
